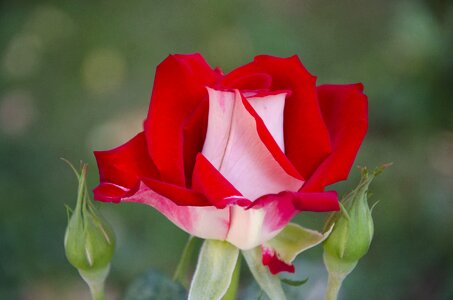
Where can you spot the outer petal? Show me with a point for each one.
(205, 222)
(179, 87)
(263, 219)
(345, 111)
(233, 145)
(120, 169)
(259, 222)
(316, 201)
(306, 137)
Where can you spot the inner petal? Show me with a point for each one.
(234, 147)
(270, 108)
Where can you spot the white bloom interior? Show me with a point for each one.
(233, 146)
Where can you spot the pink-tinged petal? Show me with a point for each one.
(270, 109)
(271, 144)
(207, 180)
(121, 168)
(276, 265)
(220, 117)
(263, 219)
(246, 227)
(345, 111)
(205, 222)
(234, 147)
(179, 87)
(307, 140)
(260, 221)
(279, 210)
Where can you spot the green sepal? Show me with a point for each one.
(182, 269)
(291, 282)
(269, 283)
(293, 240)
(216, 263)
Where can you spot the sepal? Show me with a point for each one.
(280, 252)
(215, 267)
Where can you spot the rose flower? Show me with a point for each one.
(234, 157)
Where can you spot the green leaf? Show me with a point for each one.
(294, 282)
(294, 239)
(269, 283)
(214, 271)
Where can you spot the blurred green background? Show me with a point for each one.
(76, 76)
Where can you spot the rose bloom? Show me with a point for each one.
(234, 157)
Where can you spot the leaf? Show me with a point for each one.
(294, 282)
(214, 271)
(154, 286)
(294, 239)
(269, 283)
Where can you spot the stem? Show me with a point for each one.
(97, 291)
(95, 281)
(333, 286)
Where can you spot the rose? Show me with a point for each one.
(234, 157)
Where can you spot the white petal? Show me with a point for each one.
(270, 109)
(234, 147)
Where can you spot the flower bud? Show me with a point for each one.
(89, 240)
(353, 231)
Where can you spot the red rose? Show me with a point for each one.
(234, 157)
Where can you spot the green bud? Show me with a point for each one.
(89, 240)
(353, 231)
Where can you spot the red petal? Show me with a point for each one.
(179, 195)
(306, 137)
(194, 136)
(208, 181)
(318, 202)
(345, 111)
(120, 169)
(275, 264)
(254, 81)
(179, 87)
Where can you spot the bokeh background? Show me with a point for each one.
(76, 76)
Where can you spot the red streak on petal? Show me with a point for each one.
(275, 264)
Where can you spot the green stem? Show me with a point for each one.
(97, 291)
(333, 286)
(95, 281)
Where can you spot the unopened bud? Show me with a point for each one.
(353, 231)
(89, 240)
